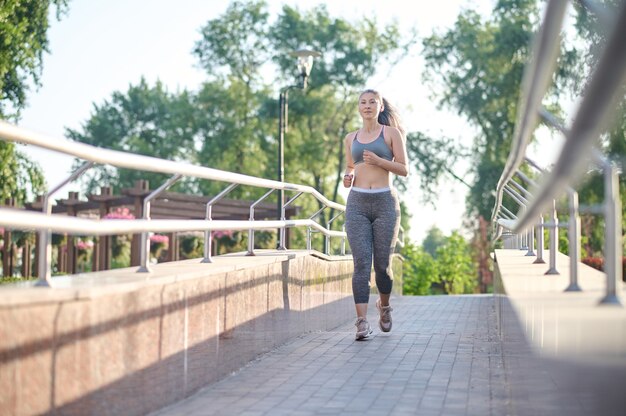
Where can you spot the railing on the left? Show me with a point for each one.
(45, 223)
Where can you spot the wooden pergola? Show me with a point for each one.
(168, 205)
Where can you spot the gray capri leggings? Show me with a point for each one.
(372, 222)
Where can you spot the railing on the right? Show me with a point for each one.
(534, 198)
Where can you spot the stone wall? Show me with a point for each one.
(122, 342)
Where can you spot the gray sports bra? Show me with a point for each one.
(376, 146)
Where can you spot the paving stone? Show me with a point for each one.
(443, 357)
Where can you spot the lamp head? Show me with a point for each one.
(305, 63)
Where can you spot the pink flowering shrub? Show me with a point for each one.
(120, 214)
(223, 233)
(159, 239)
(82, 245)
(120, 244)
(158, 243)
(225, 240)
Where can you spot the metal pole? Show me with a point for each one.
(540, 242)
(508, 213)
(613, 235)
(531, 241)
(309, 233)
(522, 202)
(554, 237)
(282, 122)
(251, 231)
(521, 188)
(145, 238)
(530, 233)
(44, 273)
(574, 242)
(327, 237)
(209, 210)
(44, 270)
(281, 242)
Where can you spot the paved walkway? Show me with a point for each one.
(443, 357)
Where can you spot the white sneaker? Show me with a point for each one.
(385, 316)
(363, 328)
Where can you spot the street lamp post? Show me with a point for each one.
(305, 63)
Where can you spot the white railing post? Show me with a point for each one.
(44, 270)
(573, 227)
(540, 242)
(145, 236)
(554, 240)
(281, 243)
(613, 235)
(251, 231)
(209, 209)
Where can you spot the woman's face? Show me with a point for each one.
(369, 106)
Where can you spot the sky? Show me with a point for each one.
(100, 47)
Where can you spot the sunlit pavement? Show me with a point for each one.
(443, 357)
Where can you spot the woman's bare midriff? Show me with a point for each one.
(371, 177)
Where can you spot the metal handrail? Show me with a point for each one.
(32, 220)
(47, 223)
(534, 84)
(604, 88)
(92, 155)
(133, 161)
(593, 112)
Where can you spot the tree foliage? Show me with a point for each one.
(477, 66)
(145, 120)
(419, 271)
(20, 178)
(230, 135)
(434, 239)
(455, 265)
(441, 263)
(230, 121)
(235, 44)
(23, 35)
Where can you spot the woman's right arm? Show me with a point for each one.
(348, 176)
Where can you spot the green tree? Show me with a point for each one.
(231, 123)
(419, 270)
(23, 35)
(19, 176)
(145, 120)
(479, 67)
(432, 159)
(320, 116)
(455, 264)
(234, 137)
(475, 69)
(433, 240)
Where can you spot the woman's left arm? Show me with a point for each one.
(400, 163)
